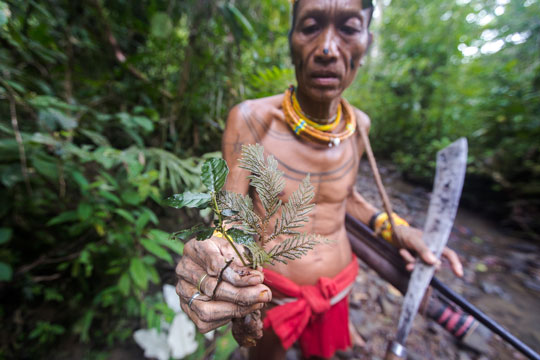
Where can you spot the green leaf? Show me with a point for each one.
(142, 220)
(214, 174)
(124, 284)
(160, 25)
(165, 239)
(205, 233)
(189, 199)
(110, 196)
(156, 249)
(126, 215)
(63, 217)
(137, 270)
(5, 235)
(240, 237)
(84, 210)
(199, 231)
(6, 272)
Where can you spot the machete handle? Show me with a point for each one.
(395, 351)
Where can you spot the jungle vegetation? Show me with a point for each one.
(108, 107)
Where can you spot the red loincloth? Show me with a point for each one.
(322, 328)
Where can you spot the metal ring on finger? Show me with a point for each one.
(196, 295)
(200, 283)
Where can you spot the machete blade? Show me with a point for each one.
(449, 176)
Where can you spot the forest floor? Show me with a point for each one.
(502, 279)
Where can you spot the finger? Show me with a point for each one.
(409, 267)
(202, 326)
(244, 296)
(453, 258)
(213, 311)
(425, 254)
(406, 255)
(212, 255)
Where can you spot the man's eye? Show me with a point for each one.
(310, 29)
(349, 30)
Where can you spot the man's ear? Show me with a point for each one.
(370, 39)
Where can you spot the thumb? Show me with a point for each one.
(426, 255)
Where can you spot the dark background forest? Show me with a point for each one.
(108, 107)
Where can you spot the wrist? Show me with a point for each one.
(381, 225)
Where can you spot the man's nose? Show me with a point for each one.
(327, 49)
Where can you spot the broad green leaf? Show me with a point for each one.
(189, 199)
(5, 235)
(142, 220)
(165, 239)
(205, 233)
(84, 210)
(6, 272)
(240, 237)
(124, 284)
(63, 217)
(110, 196)
(126, 215)
(156, 249)
(138, 273)
(214, 174)
(160, 25)
(199, 231)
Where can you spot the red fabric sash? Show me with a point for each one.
(321, 328)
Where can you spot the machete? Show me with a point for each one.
(449, 176)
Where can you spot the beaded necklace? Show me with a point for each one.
(330, 125)
(303, 129)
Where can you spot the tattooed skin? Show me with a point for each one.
(332, 172)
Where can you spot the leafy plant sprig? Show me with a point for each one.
(236, 219)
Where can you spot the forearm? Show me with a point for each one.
(359, 208)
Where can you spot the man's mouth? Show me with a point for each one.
(325, 78)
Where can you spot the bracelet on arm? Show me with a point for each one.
(381, 225)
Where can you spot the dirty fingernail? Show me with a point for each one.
(264, 296)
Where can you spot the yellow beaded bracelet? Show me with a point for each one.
(381, 225)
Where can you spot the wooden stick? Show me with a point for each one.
(382, 192)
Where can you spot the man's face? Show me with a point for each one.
(328, 40)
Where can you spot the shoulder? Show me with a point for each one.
(264, 109)
(254, 117)
(362, 119)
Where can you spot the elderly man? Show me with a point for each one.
(309, 129)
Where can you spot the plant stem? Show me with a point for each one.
(224, 232)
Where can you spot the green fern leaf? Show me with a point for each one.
(265, 177)
(240, 207)
(294, 247)
(294, 212)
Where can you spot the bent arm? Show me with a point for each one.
(235, 136)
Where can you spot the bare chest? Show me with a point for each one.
(332, 170)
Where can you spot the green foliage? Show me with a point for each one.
(237, 220)
(434, 75)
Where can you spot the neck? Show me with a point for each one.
(322, 111)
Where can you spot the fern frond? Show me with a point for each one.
(257, 255)
(294, 212)
(294, 247)
(265, 178)
(242, 207)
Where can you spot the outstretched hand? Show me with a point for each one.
(412, 239)
(241, 291)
